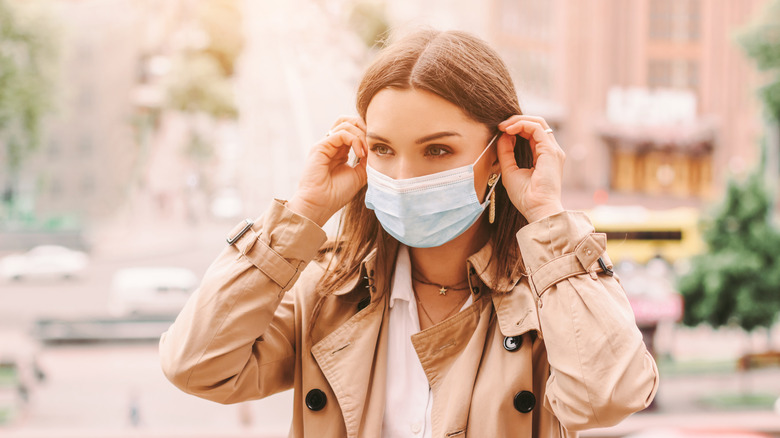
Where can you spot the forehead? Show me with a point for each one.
(400, 113)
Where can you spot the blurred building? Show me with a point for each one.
(88, 150)
(652, 100)
(92, 155)
(298, 73)
(111, 148)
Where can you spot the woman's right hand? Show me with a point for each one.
(328, 182)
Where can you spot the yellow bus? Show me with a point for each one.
(638, 234)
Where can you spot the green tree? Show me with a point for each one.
(737, 281)
(199, 85)
(27, 55)
(761, 42)
(368, 20)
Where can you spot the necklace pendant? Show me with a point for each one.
(443, 291)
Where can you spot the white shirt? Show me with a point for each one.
(408, 397)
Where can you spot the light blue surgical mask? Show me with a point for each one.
(430, 210)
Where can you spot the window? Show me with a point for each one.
(533, 70)
(673, 73)
(675, 20)
(527, 19)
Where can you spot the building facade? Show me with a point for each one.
(654, 101)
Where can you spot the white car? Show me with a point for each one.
(44, 261)
(227, 204)
(150, 291)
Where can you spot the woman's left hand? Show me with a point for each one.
(535, 192)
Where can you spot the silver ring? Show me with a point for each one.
(548, 130)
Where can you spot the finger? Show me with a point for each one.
(534, 132)
(541, 121)
(357, 171)
(360, 170)
(519, 117)
(361, 124)
(529, 129)
(360, 151)
(541, 141)
(344, 118)
(505, 149)
(331, 145)
(351, 120)
(516, 128)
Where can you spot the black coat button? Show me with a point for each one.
(513, 343)
(316, 399)
(364, 303)
(524, 401)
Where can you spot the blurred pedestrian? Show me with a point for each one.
(134, 409)
(459, 298)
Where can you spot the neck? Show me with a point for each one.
(446, 264)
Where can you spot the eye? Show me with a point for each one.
(436, 151)
(381, 149)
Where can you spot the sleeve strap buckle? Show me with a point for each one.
(238, 233)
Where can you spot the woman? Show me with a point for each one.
(459, 299)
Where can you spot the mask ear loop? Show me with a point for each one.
(486, 148)
(488, 198)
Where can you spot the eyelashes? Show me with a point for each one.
(436, 151)
(380, 149)
(433, 151)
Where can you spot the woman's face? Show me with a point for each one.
(413, 133)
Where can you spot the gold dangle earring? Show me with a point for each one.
(491, 182)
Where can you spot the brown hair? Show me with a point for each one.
(464, 70)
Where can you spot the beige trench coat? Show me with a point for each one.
(246, 333)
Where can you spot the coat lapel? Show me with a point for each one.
(353, 358)
(347, 358)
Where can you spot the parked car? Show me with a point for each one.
(44, 261)
(150, 291)
(227, 204)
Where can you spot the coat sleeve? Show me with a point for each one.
(234, 340)
(600, 370)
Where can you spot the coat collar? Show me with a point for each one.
(480, 261)
(513, 300)
(370, 267)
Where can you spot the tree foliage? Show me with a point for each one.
(369, 22)
(27, 55)
(737, 281)
(201, 80)
(761, 42)
(199, 85)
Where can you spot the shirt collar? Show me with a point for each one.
(402, 278)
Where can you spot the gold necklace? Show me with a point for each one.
(442, 288)
(450, 313)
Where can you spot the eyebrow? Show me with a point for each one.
(421, 140)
